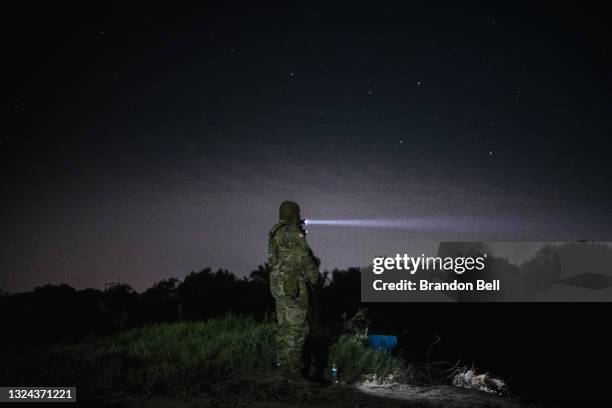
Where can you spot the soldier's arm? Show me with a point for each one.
(312, 270)
(295, 240)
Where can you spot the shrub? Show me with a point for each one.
(355, 362)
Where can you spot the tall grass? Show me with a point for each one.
(167, 357)
(185, 357)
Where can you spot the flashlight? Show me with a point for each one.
(302, 224)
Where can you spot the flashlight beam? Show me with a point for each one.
(468, 223)
(374, 223)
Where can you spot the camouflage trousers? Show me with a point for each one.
(293, 328)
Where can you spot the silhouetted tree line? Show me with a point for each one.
(58, 312)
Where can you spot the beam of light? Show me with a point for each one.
(407, 223)
(467, 223)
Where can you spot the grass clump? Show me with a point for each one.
(355, 362)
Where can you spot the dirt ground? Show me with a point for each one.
(287, 394)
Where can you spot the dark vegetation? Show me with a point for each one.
(167, 358)
(175, 337)
(184, 358)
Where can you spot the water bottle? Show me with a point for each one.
(334, 373)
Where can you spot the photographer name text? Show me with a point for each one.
(425, 285)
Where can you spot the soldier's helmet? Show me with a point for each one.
(289, 211)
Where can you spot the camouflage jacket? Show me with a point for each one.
(291, 261)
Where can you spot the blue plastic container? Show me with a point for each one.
(382, 342)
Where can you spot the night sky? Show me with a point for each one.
(145, 142)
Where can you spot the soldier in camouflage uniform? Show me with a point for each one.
(293, 271)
